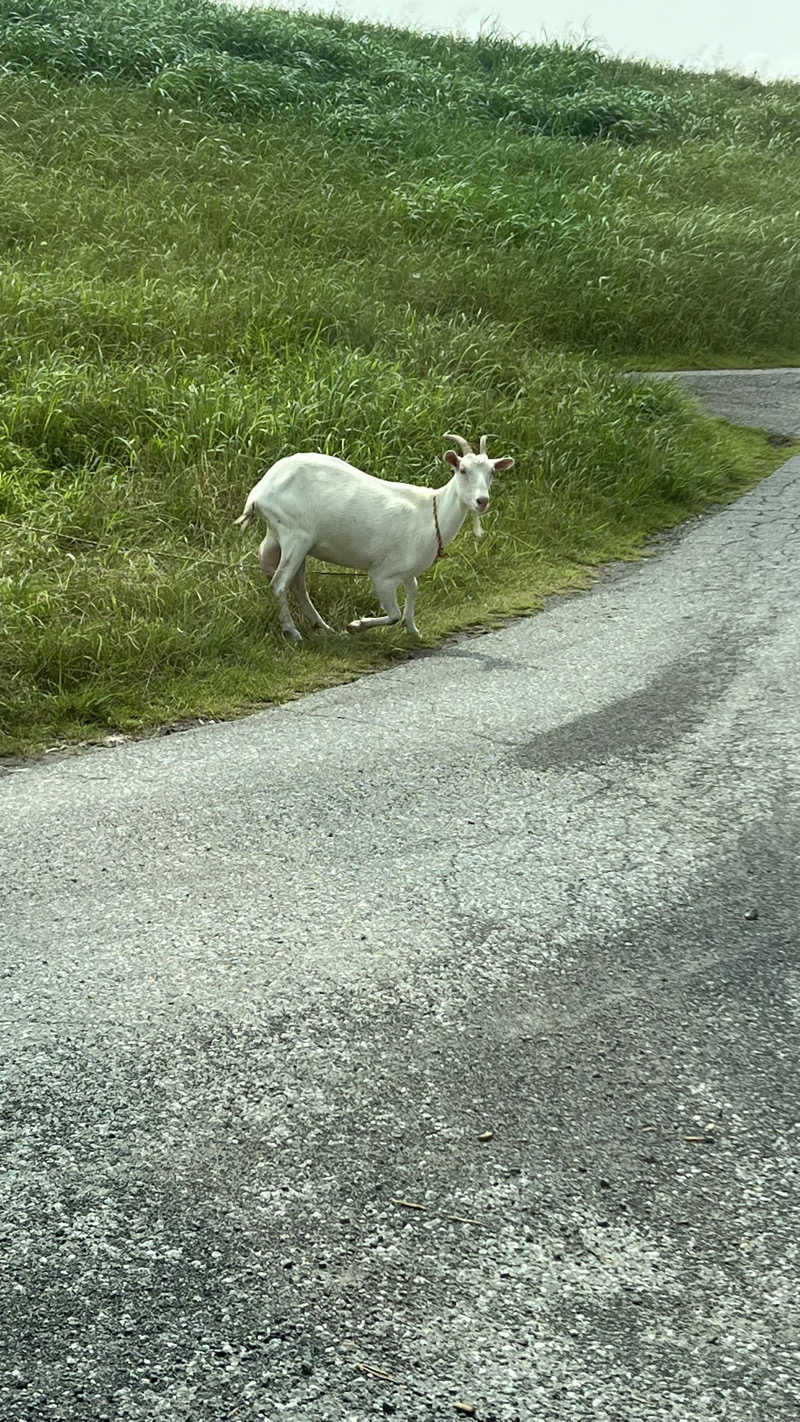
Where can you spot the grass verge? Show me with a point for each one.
(112, 639)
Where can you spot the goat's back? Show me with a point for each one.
(350, 516)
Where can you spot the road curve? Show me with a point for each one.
(766, 399)
(432, 1042)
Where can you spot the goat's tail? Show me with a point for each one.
(243, 520)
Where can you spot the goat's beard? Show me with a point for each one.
(477, 527)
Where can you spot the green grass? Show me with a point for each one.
(229, 234)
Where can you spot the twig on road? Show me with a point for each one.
(373, 1371)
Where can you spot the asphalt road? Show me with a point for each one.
(766, 399)
(431, 1042)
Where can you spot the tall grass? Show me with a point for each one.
(227, 234)
(261, 61)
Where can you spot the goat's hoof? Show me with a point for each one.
(355, 625)
(292, 635)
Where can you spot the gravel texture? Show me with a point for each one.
(432, 1042)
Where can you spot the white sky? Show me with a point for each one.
(753, 36)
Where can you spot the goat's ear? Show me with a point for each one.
(501, 465)
(452, 459)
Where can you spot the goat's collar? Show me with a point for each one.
(440, 552)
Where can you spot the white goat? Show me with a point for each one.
(316, 504)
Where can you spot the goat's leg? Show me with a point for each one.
(387, 595)
(293, 552)
(269, 555)
(411, 586)
(304, 601)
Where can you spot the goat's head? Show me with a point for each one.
(475, 472)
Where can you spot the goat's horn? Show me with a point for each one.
(465, 448)
(484, 441)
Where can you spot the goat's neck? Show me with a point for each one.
(450, 511)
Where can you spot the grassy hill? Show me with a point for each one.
(230, 234)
